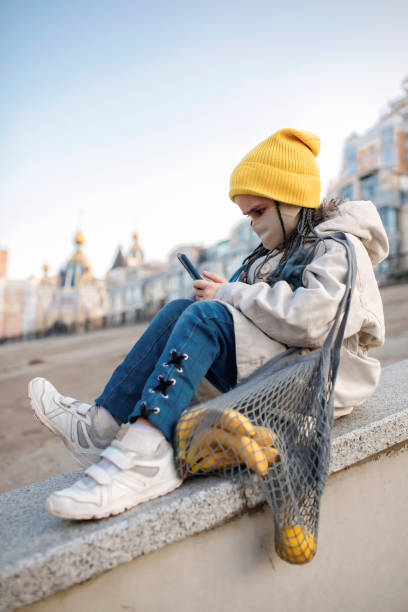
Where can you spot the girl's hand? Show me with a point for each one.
(206, 290)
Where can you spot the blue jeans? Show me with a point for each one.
(185, 342)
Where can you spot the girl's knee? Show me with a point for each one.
(176, 307)
(205, 309)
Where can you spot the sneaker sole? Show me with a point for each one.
(115, 509)
(37, 407)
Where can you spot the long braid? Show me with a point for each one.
(259, 251)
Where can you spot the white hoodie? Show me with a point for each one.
(269, 319)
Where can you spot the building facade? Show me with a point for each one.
(133, 290)
(375, 167)
(73, 299)
(137, 289)
(12, 302)
(125, 284)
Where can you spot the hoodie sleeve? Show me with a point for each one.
(301, 317)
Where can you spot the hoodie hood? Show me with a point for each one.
(361, 219)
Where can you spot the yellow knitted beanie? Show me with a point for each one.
(283, 168)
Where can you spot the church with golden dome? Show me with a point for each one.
(78, 267)
(72, 299)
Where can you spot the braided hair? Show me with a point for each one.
(305, 229)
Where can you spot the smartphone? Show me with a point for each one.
(191, 269)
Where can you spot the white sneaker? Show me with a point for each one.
(85, 429)
(136, 469)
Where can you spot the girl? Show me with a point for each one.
(272, 302)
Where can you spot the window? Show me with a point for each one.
(388, 158)
(347, 192)
(387, 137)
(388, 153)
(369, 186)
(388, 216)
(350, 154)
(350, 157)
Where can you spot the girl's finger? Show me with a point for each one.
(214, 277)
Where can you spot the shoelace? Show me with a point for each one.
(145, 412)
(176, 359)
(164, 385)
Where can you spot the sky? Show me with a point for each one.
(126, 115)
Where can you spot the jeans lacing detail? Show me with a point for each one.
(145, 412)
(163, 385)
(176, 359)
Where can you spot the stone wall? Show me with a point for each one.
(230, 564)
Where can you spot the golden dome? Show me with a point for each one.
(135, 253)
(79, 238)
(45, 280)
(135, 245)
(79, 258)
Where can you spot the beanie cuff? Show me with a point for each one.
(280, 185)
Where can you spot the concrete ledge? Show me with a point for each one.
(42, 554)
(381, 422)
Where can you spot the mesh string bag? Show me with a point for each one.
(273, 430)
